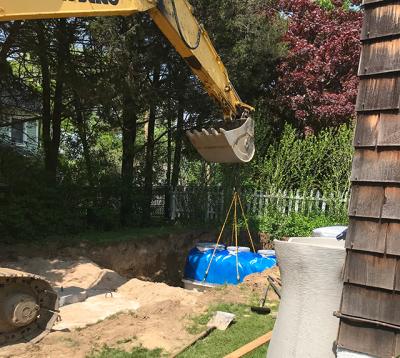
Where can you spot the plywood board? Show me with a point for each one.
(373, 270)
(372, 304)
(371, 340)
(366, 235)
(378, 94)
(381, 21)
(380, 57)
(366, 201)
(373, 166)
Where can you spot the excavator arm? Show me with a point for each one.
(176, 21)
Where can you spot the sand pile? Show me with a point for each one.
(150, 292)
(81, 273)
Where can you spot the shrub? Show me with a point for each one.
(279, 225)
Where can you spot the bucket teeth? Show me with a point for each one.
(225, 146)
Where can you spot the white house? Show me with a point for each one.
(19, 117)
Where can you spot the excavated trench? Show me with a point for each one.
(154, 259)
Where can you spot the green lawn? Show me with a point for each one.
(139, 352)
(247, 327)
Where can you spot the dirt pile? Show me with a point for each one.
(157, 316)
(81, 273)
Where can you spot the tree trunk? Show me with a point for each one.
(178, 148)
(129, 120)
(81, 127)
(148, 170)
(52, 119)
(167, 201)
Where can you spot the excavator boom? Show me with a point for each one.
(176, 21)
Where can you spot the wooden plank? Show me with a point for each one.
(380, 57)
(366, 235)
(366, 201)
(371, 340)
(250, 346)
(372, 166)
(393, 239)
(373, 304)
(373, 270)
(378, 94)
(381, 21)
(388, 130)
(366, 131)
(391, 206)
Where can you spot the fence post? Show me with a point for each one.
(317, 200)
(173, 204)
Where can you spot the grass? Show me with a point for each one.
(247, 327)
(138, 352)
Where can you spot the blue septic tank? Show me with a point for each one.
(223, 266)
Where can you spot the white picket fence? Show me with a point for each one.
(192, 203)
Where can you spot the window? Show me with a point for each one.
(17, 132)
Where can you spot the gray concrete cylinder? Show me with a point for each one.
(311, 273)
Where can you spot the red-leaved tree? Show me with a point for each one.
(317, 80)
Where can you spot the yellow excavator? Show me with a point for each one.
(28, 304)
(176, 21)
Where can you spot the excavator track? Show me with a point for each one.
(28, 307)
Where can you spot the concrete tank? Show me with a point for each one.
(311, 273)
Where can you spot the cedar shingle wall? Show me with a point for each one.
(370, 308)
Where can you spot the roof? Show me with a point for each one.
(15, 94)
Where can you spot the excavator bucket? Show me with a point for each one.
(225, 146)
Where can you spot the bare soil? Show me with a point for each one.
(164, 312)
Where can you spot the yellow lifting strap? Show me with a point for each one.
(234, 204)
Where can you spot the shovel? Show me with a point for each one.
(262, 309)
(220, 320)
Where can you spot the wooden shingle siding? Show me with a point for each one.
(397, 346)
(360, 229)
(369, 339)
(366, 131)
(371, 303)
(388, 130)
(397, 283)
(379, 94)
(370, 308)
(373, 270)
(380, 57)
(378, 202)
(391, 207)
(377, 130)
(366, 201)
(373, 166)
(393, 241)
(381, 21)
